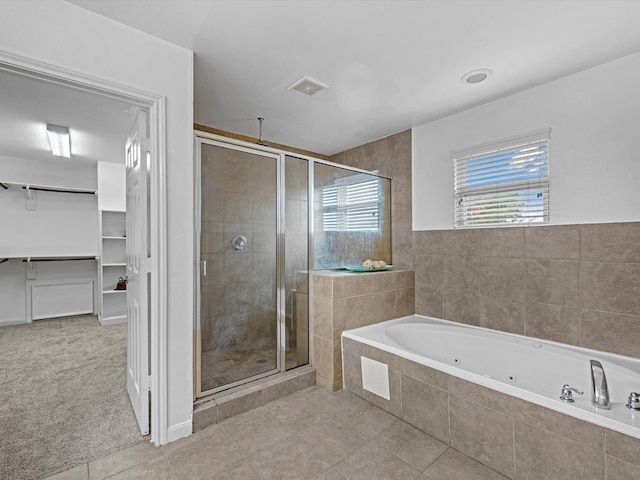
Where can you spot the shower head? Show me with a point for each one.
(260, 141)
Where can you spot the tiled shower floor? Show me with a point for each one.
(222, 367)
(311, 434)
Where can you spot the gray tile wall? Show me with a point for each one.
(518, 439)
(342, 301)
(577, 284)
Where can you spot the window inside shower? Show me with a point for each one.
(352, 217)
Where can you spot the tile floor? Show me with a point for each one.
(311, 434)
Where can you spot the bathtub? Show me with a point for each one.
(523, 367)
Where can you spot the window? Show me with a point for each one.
(504, 183)
(351, 207)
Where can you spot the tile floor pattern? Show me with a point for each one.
(311, 434)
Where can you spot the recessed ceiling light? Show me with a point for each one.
(307, 86)
(59, 140)
(476, 76)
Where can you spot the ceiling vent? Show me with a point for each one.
(307, 86)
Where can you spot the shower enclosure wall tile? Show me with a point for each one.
(553, 281)
(264, 209)
(557, 242)
(611, 242)
(611, 287)
(212, 239)
(237, 207)
(237, 171)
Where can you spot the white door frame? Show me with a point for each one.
(156, 105)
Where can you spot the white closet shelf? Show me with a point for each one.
(114, 264)
(51, 188)
(111, 292)
(113, 238)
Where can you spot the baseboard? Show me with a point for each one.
(180, 430)
(14, 321)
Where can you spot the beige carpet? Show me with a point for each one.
(63, 398)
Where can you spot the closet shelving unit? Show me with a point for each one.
(112, 265)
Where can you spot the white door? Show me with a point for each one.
(138, 378)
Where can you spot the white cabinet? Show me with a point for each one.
(112, 266)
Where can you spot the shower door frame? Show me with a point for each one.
(280, 306)
(258, 149)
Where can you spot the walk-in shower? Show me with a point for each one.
(254, 249)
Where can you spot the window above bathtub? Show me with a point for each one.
(504, 183)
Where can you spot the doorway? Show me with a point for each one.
(156, 283)
(252, 283)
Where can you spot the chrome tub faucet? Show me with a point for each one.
(599, 388)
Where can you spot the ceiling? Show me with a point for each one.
(98, 125)
(389, 65)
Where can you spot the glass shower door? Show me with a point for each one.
(238, 247)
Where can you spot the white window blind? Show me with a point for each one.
(351, 206)
(504, 183)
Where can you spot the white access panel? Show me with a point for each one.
(59, 299)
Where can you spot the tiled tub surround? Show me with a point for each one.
(341, 300)
(575, 284)
(517, 438)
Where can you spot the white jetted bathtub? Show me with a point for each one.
(527, 368)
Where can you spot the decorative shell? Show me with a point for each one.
(369, 264)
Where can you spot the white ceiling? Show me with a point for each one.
(98, 125)
(389, 65)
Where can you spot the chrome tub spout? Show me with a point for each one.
(599, 388)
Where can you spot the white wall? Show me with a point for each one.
(112, 187)
(70, 37)
(594, 118)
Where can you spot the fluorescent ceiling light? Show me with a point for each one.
(59, 140)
